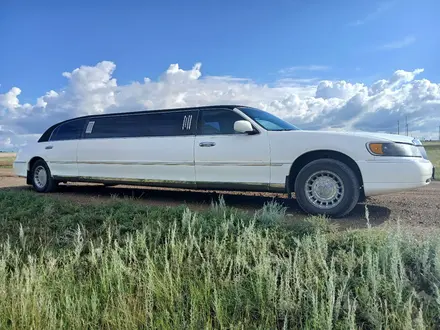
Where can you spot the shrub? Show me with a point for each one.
(127, 266)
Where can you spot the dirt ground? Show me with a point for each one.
(418, 209)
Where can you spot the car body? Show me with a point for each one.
(226, 147)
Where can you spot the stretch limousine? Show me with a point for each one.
(225, 148)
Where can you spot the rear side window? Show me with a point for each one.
(168, 124)
(71, 130)
(142, 125)
(46, 135)
(218, 122)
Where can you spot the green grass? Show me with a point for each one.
(433, 151)
(431, 143)
(126, 266)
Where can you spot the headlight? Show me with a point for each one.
(394, 149)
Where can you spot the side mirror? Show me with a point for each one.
(243, 126)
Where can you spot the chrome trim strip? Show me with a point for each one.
(207, 185)
(62, 162)
(168, 163)
(277, 185)
(123, 163)
(240, 164)
(231, 164)
(130, 181)
(137, 163)
(92, 178)
(20, 162)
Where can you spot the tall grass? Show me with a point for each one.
(125, 266)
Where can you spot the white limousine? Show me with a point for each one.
(225, 148)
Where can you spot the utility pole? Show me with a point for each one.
(406, 124)
(398, 127)
(439, 133)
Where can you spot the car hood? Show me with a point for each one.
(368, 135)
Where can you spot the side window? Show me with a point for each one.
(171, 124)
(114, 127)
(46, 135)
(141, 125)
(216, 122)
(71, 130)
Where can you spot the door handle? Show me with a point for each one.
(49, 147)
(207, 144)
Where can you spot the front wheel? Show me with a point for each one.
(328, 187)
(42, 180)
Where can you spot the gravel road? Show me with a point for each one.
(418, 208)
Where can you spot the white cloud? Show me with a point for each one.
(405, 42)
(380, 10)
(295, 69)
(10, 100)
(309, 104)
(338, 89)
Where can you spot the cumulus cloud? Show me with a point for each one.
(9, 100)
(308, 104)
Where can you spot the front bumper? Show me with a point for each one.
(395, 174)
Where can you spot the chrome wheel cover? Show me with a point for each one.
(324, 189)
(40, 177)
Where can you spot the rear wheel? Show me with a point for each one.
(328, 187)
(41, 177)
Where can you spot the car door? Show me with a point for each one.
(227, 159)
(61, 150)
(154, 148)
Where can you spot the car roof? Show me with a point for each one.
(205, 107)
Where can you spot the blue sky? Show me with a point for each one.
(350, 65)
(354, 40)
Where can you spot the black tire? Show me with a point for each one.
(345, 198)
(43, 187)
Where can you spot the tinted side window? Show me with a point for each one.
(113, 127)
(46, 135)
(68, 131)
(214, 122)
(138, 125)
(173, 123)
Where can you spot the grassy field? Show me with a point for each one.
(6, 159)
(125, 266)
(433, 150)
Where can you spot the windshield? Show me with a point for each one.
(268, 121)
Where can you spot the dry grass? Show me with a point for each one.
(124, 266)
(6, 159)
